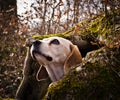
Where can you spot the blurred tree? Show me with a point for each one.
(11, 49)
(7, 5)
(8, 13)
(54, 16)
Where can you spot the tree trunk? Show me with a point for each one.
(9, 49)
(8, 15)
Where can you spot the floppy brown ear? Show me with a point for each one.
(73, 59)
(42, 74)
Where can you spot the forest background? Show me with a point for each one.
(38, 18)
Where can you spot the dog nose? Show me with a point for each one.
(37, 42)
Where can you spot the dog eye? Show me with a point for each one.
(55, 41)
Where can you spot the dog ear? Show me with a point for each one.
(74, 58)
(42, 74)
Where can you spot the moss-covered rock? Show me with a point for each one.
(98, 79)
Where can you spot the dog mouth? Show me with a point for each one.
(34, 52)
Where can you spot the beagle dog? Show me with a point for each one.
(56, 56)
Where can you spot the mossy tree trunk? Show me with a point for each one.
(97, 78)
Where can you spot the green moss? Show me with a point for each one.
(64, 34)
(7, 99)
(95, 26)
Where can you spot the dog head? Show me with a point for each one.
(57, 55)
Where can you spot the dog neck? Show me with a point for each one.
(55, 71)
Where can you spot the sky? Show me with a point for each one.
(23, 6)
